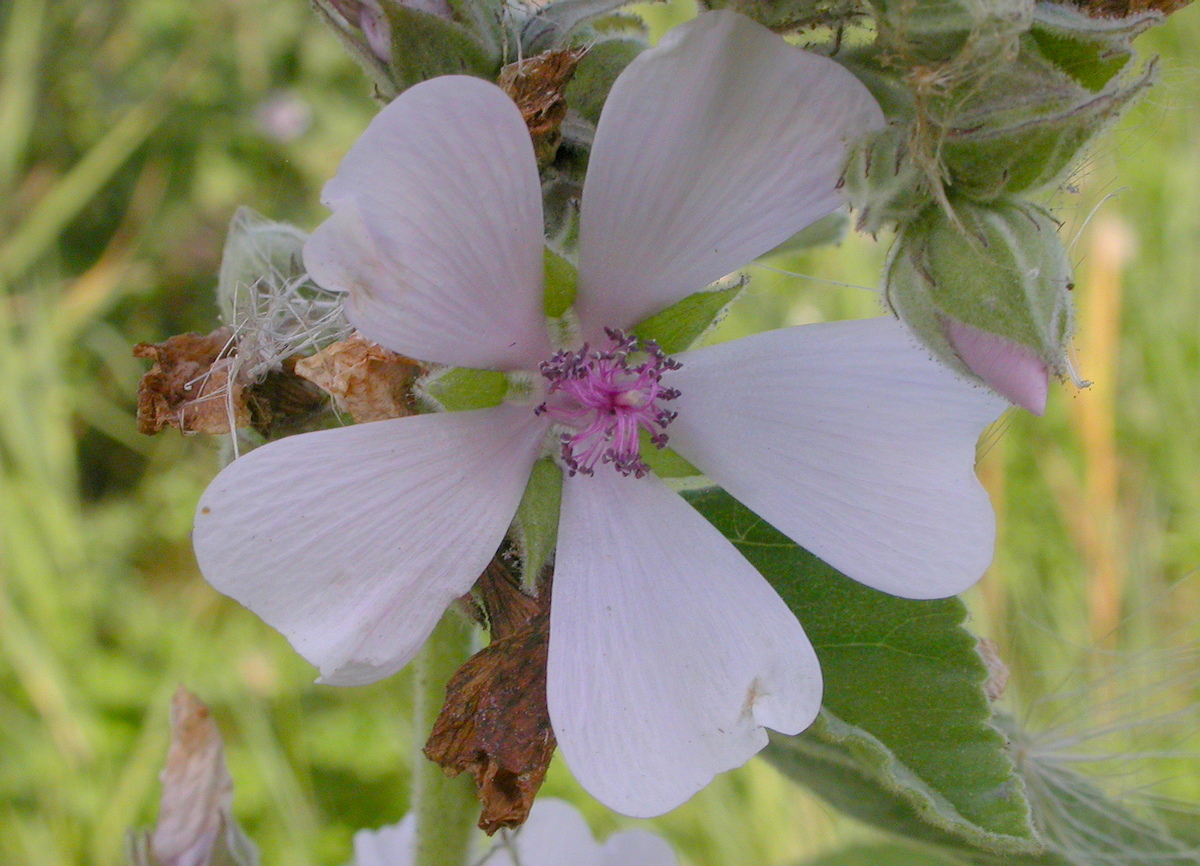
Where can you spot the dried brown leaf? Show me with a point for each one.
(188, 387)
(538, 86)
(284, 402)
(197, 788)
(366, 380)
(495, 724)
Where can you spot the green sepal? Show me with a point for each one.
(562, 281)
(1093, 51)
(973, 34)
(830, 229)
(883, 183)
(872, 67)
(536, 524)
(458, 389)
(1027, 126)
(664, 462)
(999, 267)
(905, 734)
(596, 72)
(554, 24)
(681, 324)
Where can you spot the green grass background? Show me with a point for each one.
(130, 130)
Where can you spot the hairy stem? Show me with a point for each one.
(446, 808)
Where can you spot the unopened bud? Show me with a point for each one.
(883, 184)
(1027, 126)
(916, 33)
(987, 290)
(403, 42)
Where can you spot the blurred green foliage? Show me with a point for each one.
(129, 133)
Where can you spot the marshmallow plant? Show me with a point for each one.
(669, 654)
(751, 537)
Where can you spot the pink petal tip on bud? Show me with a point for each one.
(1004, 365)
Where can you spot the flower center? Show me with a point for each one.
(602, 399)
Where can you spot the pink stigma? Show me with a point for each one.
(603, 400)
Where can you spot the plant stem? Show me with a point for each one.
(446, 808)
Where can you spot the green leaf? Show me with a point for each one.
(905, 739)
(682, 323)
(883, 854)
(459, 389)
(537, 519)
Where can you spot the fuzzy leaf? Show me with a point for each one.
(682, 323)
(905, 739)
(884, 854)
(256, 250)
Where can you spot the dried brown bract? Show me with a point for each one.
(538, 85)
(495, 724)
(366, 380)
(284, 402)
(194, 387)
(188, 387)
(195, 820)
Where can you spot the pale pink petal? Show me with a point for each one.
(1013, 370)
(437, 229)
(713, 148)
(637, 848)
(669, 653)
(377, 28)
(555, 835)
(852, 441)
(393, 845)
(352, 542)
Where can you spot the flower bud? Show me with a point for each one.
(783, 15)
(1027, 125)
(882, 182)
(987, 290)
(402, 42)
(917, 33)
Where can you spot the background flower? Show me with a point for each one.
(554, 834)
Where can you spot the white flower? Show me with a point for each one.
(554, 835)
(669, 653)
